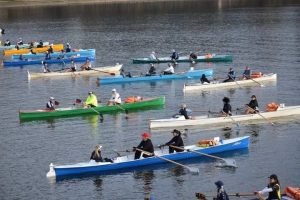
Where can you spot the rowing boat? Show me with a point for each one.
(180, 121)
(50, 61)
(23, 46)
(102, 71)
(186, 75)
(9, 52)
(79, 52)
(41, 114)
(211, 58)
(127, 162)
(216, 84)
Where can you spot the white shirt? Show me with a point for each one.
(170, 69)
(153, 56)
(115, 97)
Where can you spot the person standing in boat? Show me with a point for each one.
(145, 145)
(7, 43)
(86, 66)
(152, 70)
(97, 157)
(174, 56)
(68, 48)
(273, 189)
(115, 98)
(91, 100)
(169, 70)
(51, 104)
(252, 106)
(226, 107)
(175, 141)
(184, 111)
(247, 73)
(203, 79)
(231, 75)
(221, 193)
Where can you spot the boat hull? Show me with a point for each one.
(9, 52)
(80, 52)
(128, 162)
(214, 58)
(217, 85)
(74, 111)
(204, 120)
(22, 46)
(102, 71)
(188, 75)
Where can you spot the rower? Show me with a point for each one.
(221, 193)
(273, 189)
(153, 56)
(145, 145)
(86, 66)
(124, 74)
(174, 56)
(2, 30)
(226, 108)
(47, 56)
(7, 43)
(115, 98)
(20, 42)
(61, 55)
(175, 141)
(152, 70)
(51, 104)
(97, 157)
(50, 50)
(73, 67)
(169, 70)
(231, 76)
(203, 79)
(91, 100)
(193, 56)
(252, 106)
(68, 48)
(41, 44)
(247, 73)
(184, 112)
(46, 68)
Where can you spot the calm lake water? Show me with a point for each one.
(261, 34)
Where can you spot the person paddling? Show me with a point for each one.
(175, 141)
(203, 79)
(193, 57)
(231, 76)
(226, 107)
(184, 111)
(145, 145)
(152, 70)
(252, 106)
(153, 56)
(115, 98)
(86, 66)
(273, 189)
(50, 49)
(91, 100)
(20, 42)
(7, 43)
(221, 193)
(72, 68)
(51, 104)
(68, 48)
(247, 73)
(174, 56)
(169, 69)
(97, 157)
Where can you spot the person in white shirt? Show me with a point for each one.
(153, 56)
(169, 70)
(115, 98)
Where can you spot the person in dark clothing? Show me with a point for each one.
(252, 106)
(50, 50)
(41, 44)
(48, 55)
(7, 43)
(175, 141)
(247, 73)
(273, 189)
(97, 157)
(231, 76)
(51, 104)
(183, 111)
(152, 70)
(2, 30)
(68, 48)
(193, 56)
(203, 79)
(227, 107)
(174, 55)
(221, 193)
(145, 145)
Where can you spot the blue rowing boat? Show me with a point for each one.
(128, 162)
(192, 74)
(54, 55)
(50, 61)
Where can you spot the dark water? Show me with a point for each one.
(261, 34)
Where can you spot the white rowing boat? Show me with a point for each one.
(99, 71)
(217, 84)
(282, 111)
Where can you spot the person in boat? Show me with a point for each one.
(221, 193)
(50, 50)
(97, 157)
(203, 79)
(115, 98)
(86, 66)
(273, 189)
(247, 73)
(46, 68)
(174, 55)
(175, 141)
(184, 111)
(47, 55)
(17, 47)
(31, 45)
(193, 56)
(231, 75)
(21, 57)
(252, 106)
(124, 74)
(2, 30)
(7, 43)
(68, 48)
(169, 70)
(152, 70)
(51, 104)
(61, 55)
(226, 107)
(91, 100)
(145, 145)
(153, 56)
(20, 42)
(41, 44)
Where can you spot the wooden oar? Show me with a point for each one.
(235, 122)
(193, 170)
(249, 77)
(228, 162)
(113, 74)
(203, 196)
(261, 115)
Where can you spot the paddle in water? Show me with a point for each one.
(79, 101)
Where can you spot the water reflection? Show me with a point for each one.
(93, 121)
(147, 178)
(98, 183)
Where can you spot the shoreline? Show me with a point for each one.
(35, 3)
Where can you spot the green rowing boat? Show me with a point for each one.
(102, 109)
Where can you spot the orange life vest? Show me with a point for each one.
(271, 107)
(133, 99)
(256, 74)
(206, 143)
(293, 192)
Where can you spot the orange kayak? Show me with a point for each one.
(293, 192)
(9, 52)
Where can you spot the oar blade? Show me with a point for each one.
(228, 163)
(194, 170)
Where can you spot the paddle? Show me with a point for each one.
(261, 115)
(124, 109)
(203, 196)
(193, 170)
(228, 162)
(78, 101)
(249, 77)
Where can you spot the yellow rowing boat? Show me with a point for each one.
(9, 52)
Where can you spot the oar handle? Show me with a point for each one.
(261, 115)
